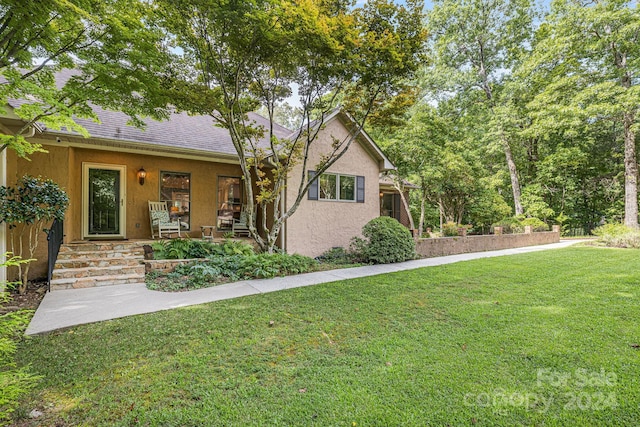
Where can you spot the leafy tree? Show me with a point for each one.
(587, 54)
(27, 208)
(111, 51)
(475, 44)
(245, 54)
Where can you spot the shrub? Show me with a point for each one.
(510, 225)
(536, 223)
(618, 236)
(450, 229)
(30, 205)
(337, 255)
(385, 240)
(194, 248)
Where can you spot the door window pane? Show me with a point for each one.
(175, 189)
(229, 201)
(104, 201)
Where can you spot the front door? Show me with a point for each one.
(103, 204)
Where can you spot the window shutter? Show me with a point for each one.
(396, 206)
(312, 193)
(360, 189)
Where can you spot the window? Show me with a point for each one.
(331, 186)
(229, 201)
(337, 187)
(175, 189)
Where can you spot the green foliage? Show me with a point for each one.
(510, 225)
(14, 381)
(536, 223)
(385, 241)
(450, 229)
(238, 56)
(30, 204)
(337, 255)
(116, 54)
(233, 267)
(195, 248)
(618, 236)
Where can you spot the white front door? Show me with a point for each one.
(103, 201)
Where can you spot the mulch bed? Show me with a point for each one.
(29, 301)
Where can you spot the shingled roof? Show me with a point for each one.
(180, 131)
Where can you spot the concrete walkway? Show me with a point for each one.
(61, 309)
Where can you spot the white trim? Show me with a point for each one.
(85, 202)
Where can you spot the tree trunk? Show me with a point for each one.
(630, 174)
(513, 173)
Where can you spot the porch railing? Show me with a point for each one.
(54, 238)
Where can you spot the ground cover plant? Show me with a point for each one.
(217, 269)
(547, 338)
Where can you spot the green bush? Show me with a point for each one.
(450, 229)
(337, 255)
(385, 241)
(536, 223)
(194, 248)
(510, 225)
(228, 268)
(618, 236)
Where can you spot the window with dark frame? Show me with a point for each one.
(175, 190)
(337, 187)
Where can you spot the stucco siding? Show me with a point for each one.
(318, 225)
(64, 165)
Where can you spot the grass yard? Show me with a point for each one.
(548, 338)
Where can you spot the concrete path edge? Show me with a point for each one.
(63, 309)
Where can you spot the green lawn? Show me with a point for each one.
(547, 338)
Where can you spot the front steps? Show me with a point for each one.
(91, 264)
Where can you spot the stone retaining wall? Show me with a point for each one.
(165, 265)
(465, 244)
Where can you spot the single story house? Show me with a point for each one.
(191, 164)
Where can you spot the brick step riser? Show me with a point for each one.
(100, 262)
(93, 272)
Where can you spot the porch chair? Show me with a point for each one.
(240, 225)
(160, 220)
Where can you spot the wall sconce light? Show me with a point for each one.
(142, 174)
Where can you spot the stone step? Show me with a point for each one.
(95, 281)
(72, 262)
(100, 246)
(112, 270)
(121, 253)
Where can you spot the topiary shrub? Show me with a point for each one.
(385, 241)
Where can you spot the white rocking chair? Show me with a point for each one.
(160, 220)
